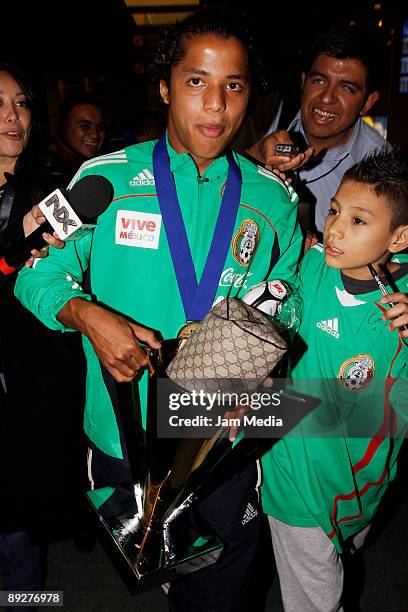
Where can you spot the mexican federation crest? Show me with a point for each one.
(245, 241)
(356, 373)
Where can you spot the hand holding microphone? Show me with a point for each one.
(31, 221)
(70, 214)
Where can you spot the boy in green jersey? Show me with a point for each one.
(324, 482)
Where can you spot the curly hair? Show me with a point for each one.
(204, 22)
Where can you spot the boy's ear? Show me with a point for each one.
(164, 92)
(399, 240)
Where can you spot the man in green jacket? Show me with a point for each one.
(184, 208)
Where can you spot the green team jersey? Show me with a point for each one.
(129, 262)
(337, 480)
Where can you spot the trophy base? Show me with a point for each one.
(146, 558)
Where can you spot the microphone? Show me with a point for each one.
(72, 214)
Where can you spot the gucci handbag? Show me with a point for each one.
(235, 347)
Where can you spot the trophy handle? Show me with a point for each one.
(135, 438)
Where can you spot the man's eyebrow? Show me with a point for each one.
(243, 76)
(314, 73)
(355, 84)
(191, 70)
(361, 208)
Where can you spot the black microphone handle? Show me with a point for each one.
(34, 240)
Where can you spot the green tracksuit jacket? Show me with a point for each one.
(129, 262)
(333, 469)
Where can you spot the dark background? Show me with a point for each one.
(73, 44)
(95, 45)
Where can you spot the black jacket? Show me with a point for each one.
(41, 413)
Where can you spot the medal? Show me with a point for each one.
(186, 331)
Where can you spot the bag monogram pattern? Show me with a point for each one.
(234, 343)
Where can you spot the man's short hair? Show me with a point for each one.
(342, 42)
(205, 22)
(386, 171)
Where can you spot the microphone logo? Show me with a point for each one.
(62, 217)
(60, 213)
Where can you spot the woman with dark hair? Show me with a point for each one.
(41, 372)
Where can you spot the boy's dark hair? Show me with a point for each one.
(204, 22)
(343, 42)
(387, 172)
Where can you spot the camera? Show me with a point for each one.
(286, 150)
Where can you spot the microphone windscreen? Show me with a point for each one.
(91, 195)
